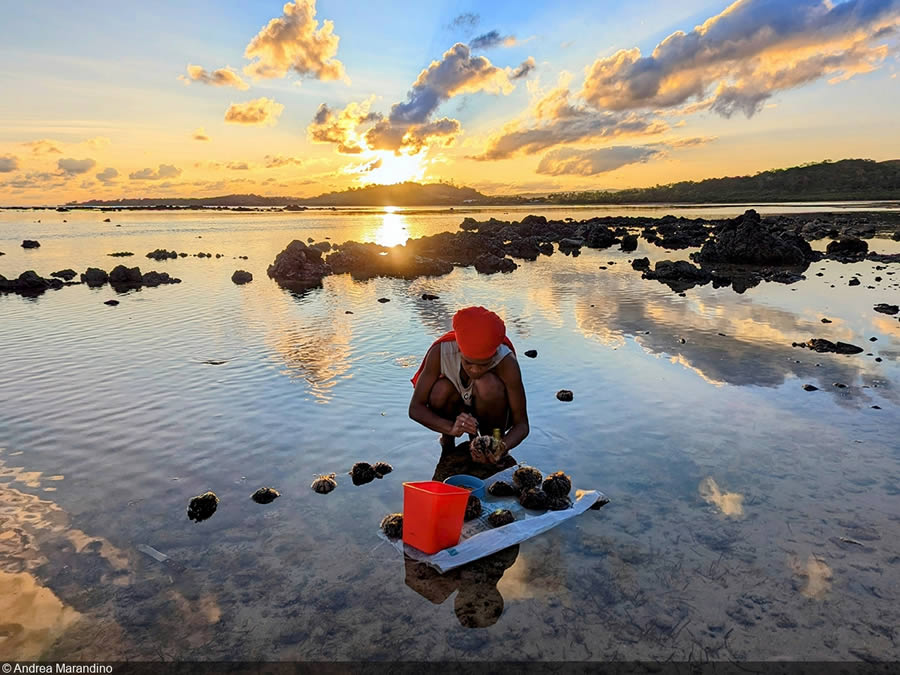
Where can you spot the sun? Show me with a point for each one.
(391, 168)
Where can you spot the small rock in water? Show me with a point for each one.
(241, 277)
(853, 282)
(810, 387)
(348, 312)
(429, 296)
(501, 517)
(564, 395)
(324, 484)
(383, 300)
(873, 339)
(822, 345)
(265, 495)
(840, 385)
(531, 353)
(202, 506)
(30, 243)
(884, 308)
(876, 407)
(111, 303)
(362, 473)
(382, 469)
(392, 525)
(826, 320)
(878, 359)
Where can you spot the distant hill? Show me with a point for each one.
(400, 194)
(848, 179)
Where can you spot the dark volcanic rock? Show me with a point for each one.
(597, 236)
(66, 274)
(531, 353)
(30, 243)
(125, 276)
(629, 242)
(679, 275)
(854, 282)
(120, 254)
(565, 395)
(28, 283)
(323, 246)
(640, 263)
(488, 263)
(241, 277)
(885, 308)
(298, 265)
(822, 345)
(154, 278)
(847, 249)
(111, 303)
(810, 387)
(162, 254)
(94, 276)
(429, 296)
(747, 241)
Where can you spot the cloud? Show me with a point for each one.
(237, 166)
(199, 134)
(689, 142)
(164, 171)
(293, 41)
(275, 161)
(465, 21)
(744, 54)
(524, 69)
(98, 142)
(341, 126)
(261, 111)
(365, 167)
(591, 162)
(458, 72)
(223, 77)
(492, 39)
(107, 176)
(44, 146)
(73, 167)
(37, 179)
(8, 163)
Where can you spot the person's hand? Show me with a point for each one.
(464, 424)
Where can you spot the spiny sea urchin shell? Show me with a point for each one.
(473, 507)
(533, 498)
(324, 484)
(559, 503)
(501, 517)
(265, 495)
(557, 484)
(527, 477)
(501, 488)
(392, 525)
(382, 469)
(362, 473)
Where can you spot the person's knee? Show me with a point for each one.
(443, 395)
(490, 389)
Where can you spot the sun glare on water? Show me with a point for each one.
(393, 229)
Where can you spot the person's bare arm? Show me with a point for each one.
(508, 371)
(418, 405)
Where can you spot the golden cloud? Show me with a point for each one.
(44, 146)
(261, 111)
(8, 163)
(223, 77)
(294, 41)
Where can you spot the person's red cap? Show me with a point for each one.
(478, 332)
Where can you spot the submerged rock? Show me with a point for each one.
(30, 243)
(822, 345)
(202, 506)
(162, 254)
(392, 525)
(66, 274)
(885, 308)
(488, 263)
(120, 254)
(565, 395)
(241, 277)
(324, 484)
(847, 249)
(265, 495)
(531, 353)
(810, 387)
(94, 276)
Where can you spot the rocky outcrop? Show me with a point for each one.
(299, 265)
(125, 276)
(490, 264)
(747, 241)
(679, 275)
(823, 345)
(629, 243)
(30, 243)
(28, 283)
(65, 274)
(885, 308)
(162, 254)
(848, 249)
(640, 264)
(94, 277)
(241, 277)
(366, 261)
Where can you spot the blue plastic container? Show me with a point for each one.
(463, 480)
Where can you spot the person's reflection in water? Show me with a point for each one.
(478, 603)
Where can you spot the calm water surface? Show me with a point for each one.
(749, 518)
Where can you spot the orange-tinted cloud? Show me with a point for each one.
(275, 161)
(44, 146)
(8, 163)
(261, 111)
(744, 54)
(492, 39)
(73, 167)
(340, 127)
(164, 171)
(107, 176)
(223, 77)
(294, 41)
(590, 162)
(200, 134)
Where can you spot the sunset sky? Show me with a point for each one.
(111, 99)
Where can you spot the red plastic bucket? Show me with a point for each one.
(433, 515)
